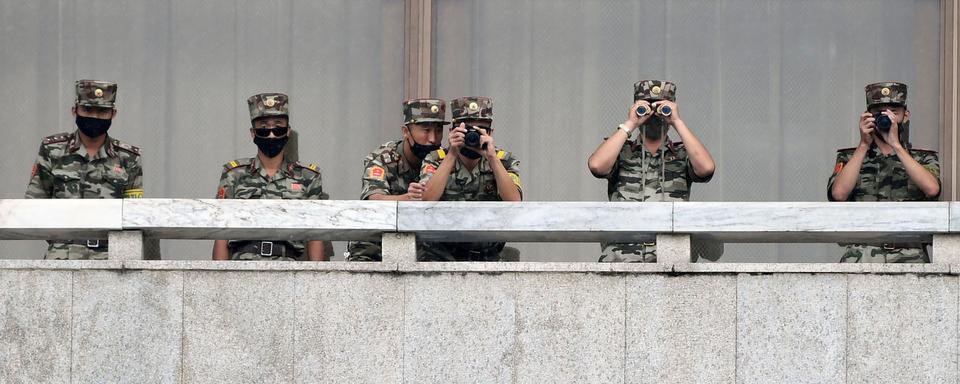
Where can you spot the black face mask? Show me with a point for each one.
(270, 147)
(653, 129)
(93, 127)
(469, 153)
(421, 151)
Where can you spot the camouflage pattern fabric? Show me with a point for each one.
(478, 184)
(247, 179)
(883, 178)
(268, 104)
(95, 93)
(653, 90)
(640, 175)
(476, 107)
(385, 172)
(64, 171)
(886, 93)
(424, 111)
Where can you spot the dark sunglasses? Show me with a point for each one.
(277, 132)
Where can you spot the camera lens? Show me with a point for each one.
(883, 122)
(472, 138)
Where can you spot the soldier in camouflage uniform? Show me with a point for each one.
(651, 168)
(269, 176)
(465, 173)
(882, 168)
(86, 164)
(392, 172)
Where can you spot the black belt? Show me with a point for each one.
(92, 244)
(265, 248)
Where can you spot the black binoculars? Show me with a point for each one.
(883, 122)
(472, 138)
(662, 110)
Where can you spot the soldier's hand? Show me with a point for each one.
(456, 138)
(674, 111)
(486, 142)
(867, 126)
(634, 121)
(892, 136)
(415, 191)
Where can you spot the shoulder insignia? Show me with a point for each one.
(240, 163)
(311, 167)
(501, 154)
(58, 138)
(441, 153)
(126, 147)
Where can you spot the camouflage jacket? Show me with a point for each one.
(478, 184)
(64, 171)
(246, 179)
(883, 177)
(386, 172)
(640, 175)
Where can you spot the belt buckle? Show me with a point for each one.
(93, 243)
(888, 247)
(263, 248)
(650, 244)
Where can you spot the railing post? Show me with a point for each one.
(673, 248)
(946, 249)
(125, 245)
(399, 248)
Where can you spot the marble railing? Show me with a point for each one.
(398, 225)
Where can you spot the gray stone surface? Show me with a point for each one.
(460, 328)
(126, 245)
(349, 328)
(59, 219)
(867, 268)
(902, 329)
(399, 248)
(238, 327)
(673, 248)
(812, 221)
(279, 266)
(570, 328)
(535, 221)
(127, 326)
(791, 328)
(35, 326)
(680, 329)
(946, 249)
(260, 219)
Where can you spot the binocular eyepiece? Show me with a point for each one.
(883, 122)
(662, 110)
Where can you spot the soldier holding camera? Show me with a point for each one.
(652, 168)
(470, 169)
(392, 172)
(882, 168)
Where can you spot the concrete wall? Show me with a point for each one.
(207, 322)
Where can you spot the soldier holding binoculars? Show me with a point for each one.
(882, 168)
(652, 168)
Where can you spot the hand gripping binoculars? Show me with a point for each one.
(662, 110)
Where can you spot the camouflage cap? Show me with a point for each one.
(654, 90)
(425, 111)
(474, 107)
(97, 94)
(886, 93)
(268, 104)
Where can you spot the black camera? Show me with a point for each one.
(472, 138)
(883, 122)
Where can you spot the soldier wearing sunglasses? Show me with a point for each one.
(269, 176)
